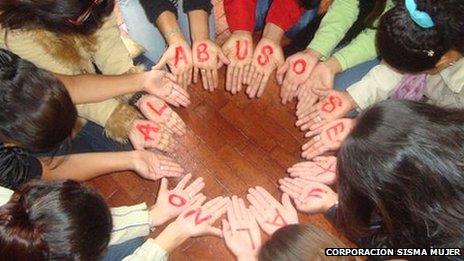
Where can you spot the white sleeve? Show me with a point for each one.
(129, 222)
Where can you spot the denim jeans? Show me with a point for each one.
(353, 75)
(262, 8)
(145, 33)
(120, 251)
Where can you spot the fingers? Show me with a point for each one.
(163, 186)
(229, 77)
(286, 202)
(195, 187)
(222, 58)
(262, 85)
(214, 231)
(238, 88)
(235, 79)
(236, 208)
(281, 71)
(180, 186)
(196, 71)
(226, 230)
(162, 62)
(215, 78)
(250, 73)
(253, 88)
(209, 78)
(204, 80)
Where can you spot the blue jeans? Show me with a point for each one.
(120, 251)
(262, 8)
(353, 75)
(145, 33)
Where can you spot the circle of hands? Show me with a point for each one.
(320, 111)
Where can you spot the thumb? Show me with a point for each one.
(214, 231)
(162, 62)
(286, 202)
(222, 57)
(281, 71)
(163, 186)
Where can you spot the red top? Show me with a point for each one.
(241, 14)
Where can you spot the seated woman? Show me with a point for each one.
(400, 179)
(67, 221)
(275, 18)
(422, 60)
(177, 33)
(37, 116)
(72, 38)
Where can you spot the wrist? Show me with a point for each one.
(156, 217)
(175, 38)
(312, 53)
(242, 33)
(171, 237)
(334, 65)
(273, 33)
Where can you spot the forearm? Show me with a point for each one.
(86, 166)
(273, 33)
(171, 237)
(91, 88)
(168, 26)
(199, 28)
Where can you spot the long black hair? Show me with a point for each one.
(53, 15)
(54, 221)
(408, 47)
(404, 163)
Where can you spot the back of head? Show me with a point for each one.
(404, 163)
(36, 111)
(299, 242)
(409, 47)
(54, 221)
(54, 15)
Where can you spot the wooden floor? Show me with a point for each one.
(234, 143)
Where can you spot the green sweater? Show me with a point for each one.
(338, 20)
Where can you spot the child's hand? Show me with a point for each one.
(310, 197)
(239, 49)
(163, 85)
(170, 203)
(322, 79)
(270, 213)
(197, 220)
(267, 57)
(158, 111)
(207, 59)
(327, 138)
(321, 169)
(296, 70)
(178, 57)
(336, 105)
(148, 134)
(241, 233)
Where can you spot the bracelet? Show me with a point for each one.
(172, 31)
(135, 98)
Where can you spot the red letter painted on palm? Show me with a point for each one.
(160, 111)
(244, 54)
(333, 103)
(253, 246)
(333, 131)
(176, 200)
(315, 193)
(180, 55)
(299, 66)
(198, 219)
(278, 217)
(202, 54)
(146, 130)
(265, 52)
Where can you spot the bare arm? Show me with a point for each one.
(90, 88)
(199, 28)
(167, 24)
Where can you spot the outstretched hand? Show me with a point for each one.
(327, 138)
(170, 203)
(270, 213)
(207, 59)
(153, 165)
(309, 197)
(148, 134)
(163, 85)
(241, 232)
(178, 57)
(294, 72)
(267, 57)
(320, 169)
(239, 50)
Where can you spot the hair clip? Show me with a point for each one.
(421, 18)
(430, 53)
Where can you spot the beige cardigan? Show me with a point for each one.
(76, 54)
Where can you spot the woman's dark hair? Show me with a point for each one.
(53, 15)
(36, 111)
(403, 164)
(54, 221)
(408, 47)
(299, 242)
